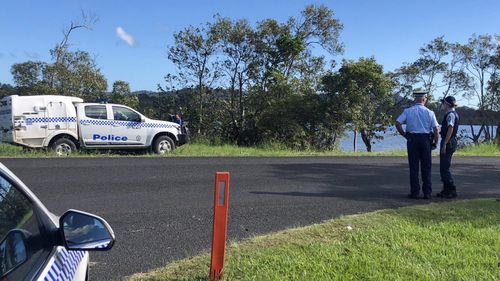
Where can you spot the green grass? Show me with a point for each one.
(270, 150)
(203, 149)
(485, 149)
(446, 241)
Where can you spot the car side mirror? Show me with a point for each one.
(84, 231)
(143, 119)
(13, 250)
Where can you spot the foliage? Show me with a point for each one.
(193, 54)
(362, 93)
(247, 76)
(121, 95)
(469, 70)
(251, 83)
(71, 73)
(7, 90)
(75, 75)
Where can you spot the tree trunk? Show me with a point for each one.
(497, 137)
(240, 84)
(354, 140)
(366, 140)
(475, 138)
(200, 93)
(487, 136)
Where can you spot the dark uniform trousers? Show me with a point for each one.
(445, 163)
(419, 156)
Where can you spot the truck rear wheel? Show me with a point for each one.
(163, 144)
(64, 147)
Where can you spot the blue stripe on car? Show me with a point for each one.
(31, 121)
(65, 265)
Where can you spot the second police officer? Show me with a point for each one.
(422, 135)
(449, 128)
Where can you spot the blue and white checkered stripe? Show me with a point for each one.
(30, 121)
(65, 265)
(125, 123)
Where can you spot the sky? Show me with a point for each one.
(131, 38)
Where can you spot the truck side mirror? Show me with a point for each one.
(84, 231)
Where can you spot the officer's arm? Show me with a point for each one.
(448, 134)
(436, 135)
(399, 127)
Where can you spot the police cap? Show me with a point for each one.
(449, 100)
(420, 93)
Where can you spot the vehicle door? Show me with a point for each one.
(128, 127)
(58, 115)
(95, 124)
(23, 251)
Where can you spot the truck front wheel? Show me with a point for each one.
(63, 147)
(163, 144)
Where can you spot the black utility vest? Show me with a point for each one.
(444, 125)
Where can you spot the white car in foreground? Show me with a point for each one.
(37, 245)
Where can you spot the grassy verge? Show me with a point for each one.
(448, 241)
(202, 149)
(488, 149)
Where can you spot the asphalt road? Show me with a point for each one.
(161, 208)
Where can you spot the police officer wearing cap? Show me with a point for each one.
(449, 129)
(422, 136)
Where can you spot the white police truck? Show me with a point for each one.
(66, 124)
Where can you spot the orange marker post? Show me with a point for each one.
(220, 225)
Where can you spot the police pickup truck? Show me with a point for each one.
(66, 124)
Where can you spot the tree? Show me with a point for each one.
(60, 51)
(286, 48)
(29, 77)
(477, 59)
(444, 69)
(431, 63)
(437, 69)
(493, 90)
(364, 93)
(7, 90)
(494, 99)
(286, 67)
(246, 74)
(121, 94)
(73, 73)
(76, 75)
(237, 41)
(193, 54)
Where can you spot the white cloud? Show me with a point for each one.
(123, 35)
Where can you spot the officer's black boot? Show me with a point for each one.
(444, 191)
(451, 193)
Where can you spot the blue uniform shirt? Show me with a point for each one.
(450, 119)
(419, 119)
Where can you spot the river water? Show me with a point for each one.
(393, 141)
